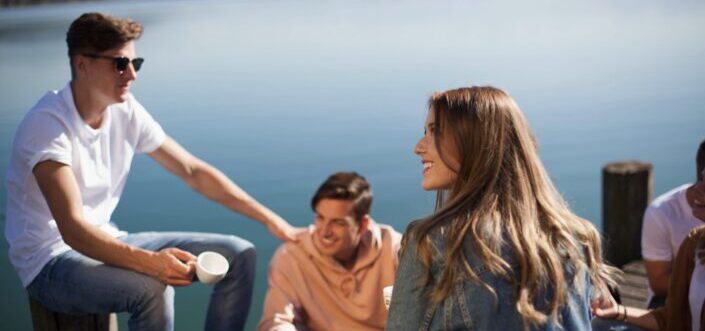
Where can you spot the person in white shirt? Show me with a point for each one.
(70, 159)
(667, 222)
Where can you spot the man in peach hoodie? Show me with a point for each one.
(332, 278)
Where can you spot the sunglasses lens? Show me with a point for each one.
(121, 63)
(137, 63)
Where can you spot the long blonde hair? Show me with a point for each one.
(502, 196)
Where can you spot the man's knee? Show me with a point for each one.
(153, 294)
(236, 248)
(248, 256)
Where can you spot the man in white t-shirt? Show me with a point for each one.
(667, 222)
(70, 159)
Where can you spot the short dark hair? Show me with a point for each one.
(348, 186)
(700, 160)
(97, 32)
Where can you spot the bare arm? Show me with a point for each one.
(609, 309)
(214, 185)
(60, 189)
(659, 274)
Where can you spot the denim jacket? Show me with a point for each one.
(470, 306)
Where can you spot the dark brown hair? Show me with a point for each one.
(96, 33)
(346, 186)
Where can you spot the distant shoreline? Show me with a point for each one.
(23, 3)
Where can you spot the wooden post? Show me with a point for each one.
(626, 192)
(46, 320)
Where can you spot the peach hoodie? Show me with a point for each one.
(309, 291)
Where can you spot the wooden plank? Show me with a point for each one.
(633, 287)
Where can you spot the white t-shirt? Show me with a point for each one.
(99, 158)
(667, 222)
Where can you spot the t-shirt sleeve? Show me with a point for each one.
(43, 137)
(150, 134)
(655, 242)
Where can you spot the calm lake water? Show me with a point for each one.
(279, 94)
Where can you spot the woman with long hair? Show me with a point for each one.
(502, 250)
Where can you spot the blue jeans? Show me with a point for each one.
(72, 283)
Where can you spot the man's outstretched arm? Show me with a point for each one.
(60, 189)
(214, 185)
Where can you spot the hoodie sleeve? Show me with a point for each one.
(282, 310)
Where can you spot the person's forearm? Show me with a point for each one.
(94, 243)
(642, 318)
(214, 185)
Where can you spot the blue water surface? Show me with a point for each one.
(279, 94)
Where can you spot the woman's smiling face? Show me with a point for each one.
(437, 175)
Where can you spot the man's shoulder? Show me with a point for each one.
(47, 119)
(389, 234)
(386, 228)
(388, 240)
(54, 101)
(671, 197)
(50, 99)
(289, 252)
(668, 204)
(51, 104)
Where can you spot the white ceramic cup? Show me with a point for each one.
(211, 267)
(387, 294)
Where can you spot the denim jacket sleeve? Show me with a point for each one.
(409, 307)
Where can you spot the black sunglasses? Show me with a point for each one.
(120, 62)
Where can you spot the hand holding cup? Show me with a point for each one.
(211, 267)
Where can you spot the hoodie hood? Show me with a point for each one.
(369, 250)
